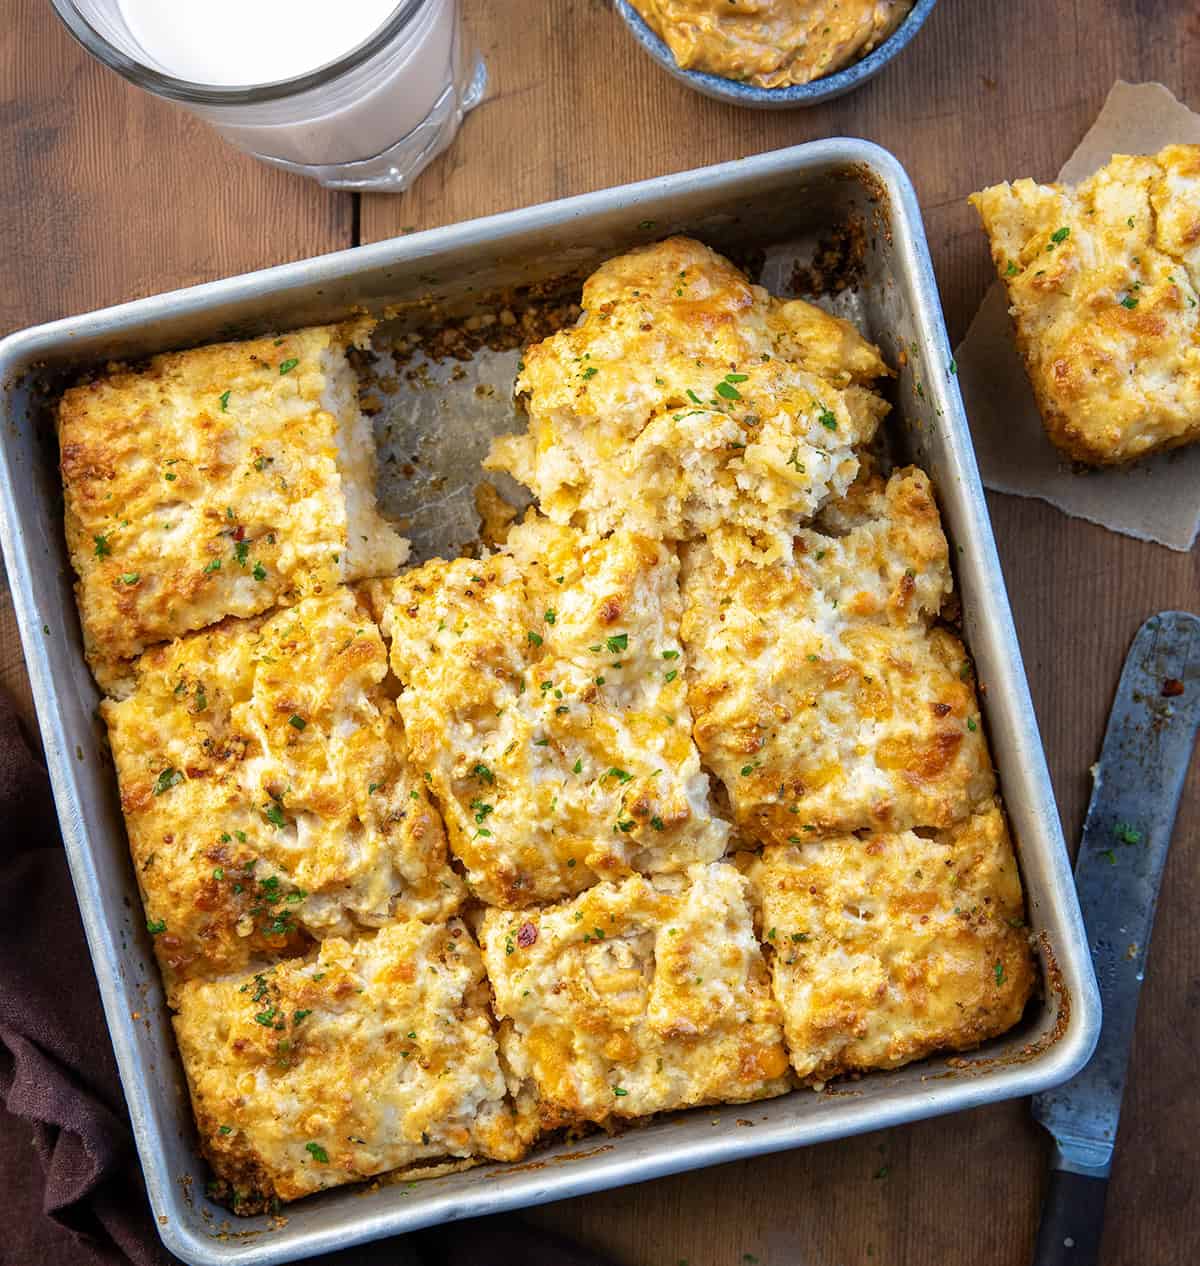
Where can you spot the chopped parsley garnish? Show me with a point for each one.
(620, 775)
(671, 675)
(998, 972)
(577, 768)
(1060, 235)
(693, 397)
(617, 643)
(828, 419)
(657, 823)
(971, 724)
(736, 377)
(297, 722)
(1011, 270)
(535, 639)
(226, 1129)
(241, 551)
(155, 926)
(590, 372)
(1129, 302)
(259, 572)
(550, 616)
(484, 773)
(213, 565)
(274, 814)
(727, 391)
(620, 1091)
(224, 398)
(1127, 834)
(266, 1018)
(102, 546)
(794, 460)
(288, 365)
(130, 577)
(169, 778)
(317, 1152)
(1112, 857)
(625, 827)
(670, 654)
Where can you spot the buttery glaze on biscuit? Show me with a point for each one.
(544, 698)
(688, 402)
(220, 481)
(637, 997)
(366, 1056)
(823, 699)
(772, 43)
(267, 791)
(1104, 290)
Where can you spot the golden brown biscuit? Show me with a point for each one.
(1103, 290)
(365, 1057)
(267, 790)
(216, 482)
(636, 997)
(887, 948)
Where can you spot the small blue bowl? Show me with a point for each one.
(742, 94)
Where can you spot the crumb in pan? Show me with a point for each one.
(267, 791)
(636, 997)
(544, 700)
(887, 948)
(363, 1057)
(823, 699)
(688, 402)
(1104, 290)
(220, 481)
(772, 43)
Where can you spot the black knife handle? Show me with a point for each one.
(1072, 1220)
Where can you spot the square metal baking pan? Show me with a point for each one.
(776, 209)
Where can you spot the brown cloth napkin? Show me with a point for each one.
(76, 1197)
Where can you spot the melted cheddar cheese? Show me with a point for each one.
(216, 482)
(268, 793)
(1104, 291)
(544, 699)
(822, 698)
(887, 948)
(689, 402)
(636, 997)
(364, 1057)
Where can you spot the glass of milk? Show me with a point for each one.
(358, 94)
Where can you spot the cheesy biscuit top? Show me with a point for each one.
(544, 699)
(1104, 287)
(364, 1057)
(215, 482)
(772, 43)
(888, 948)
(636, 997)
(688, 401)
(267, 791)
(822, 699)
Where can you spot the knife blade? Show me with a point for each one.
(1137, 784)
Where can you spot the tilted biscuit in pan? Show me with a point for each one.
(267, 790)
(887, 948)
(687, 401)
(544, 699)
(1104, 290)
(635, 997)
(365, 1057)
(215, 482)
(823, 698)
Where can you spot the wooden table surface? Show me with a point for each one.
(109, 194)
